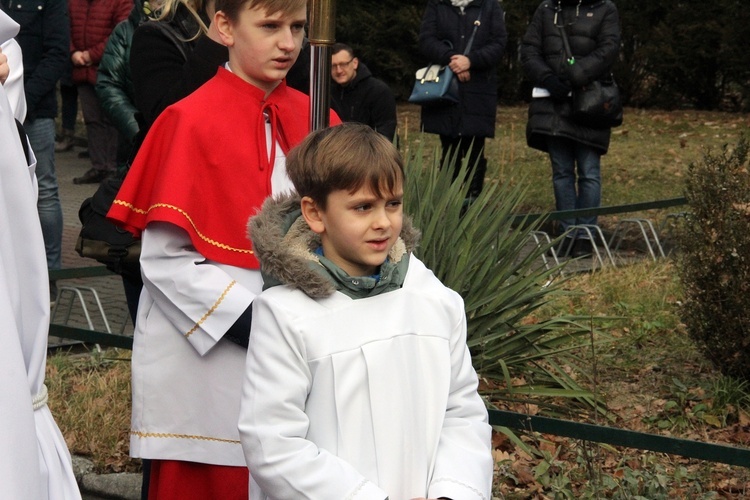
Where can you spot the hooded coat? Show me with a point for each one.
(366, 100)
(445, 32)
(356, 387)
(593, 30)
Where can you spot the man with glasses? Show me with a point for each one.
(357, 96)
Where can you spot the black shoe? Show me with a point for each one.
(84, 154)
(582, 248)
(92, 176)
(66, 141)
(561, 250)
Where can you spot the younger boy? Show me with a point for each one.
(359, 383)
(206, 165)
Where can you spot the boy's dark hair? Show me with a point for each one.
(346, 157)
(232, 8)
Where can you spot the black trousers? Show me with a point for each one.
(461, 147)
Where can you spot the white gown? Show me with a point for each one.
(34, 460)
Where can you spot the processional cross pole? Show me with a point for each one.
(322, 37)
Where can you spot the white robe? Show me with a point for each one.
(34, 460)
(366, 398)
(14, 84)
(187, 381)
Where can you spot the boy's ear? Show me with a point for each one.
(224, 26)
(312, 214)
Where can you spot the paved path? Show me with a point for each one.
(109, 288)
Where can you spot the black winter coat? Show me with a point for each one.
(593, 30)
(44, 39)
(366, 100)
(161, 75)
(445, 32)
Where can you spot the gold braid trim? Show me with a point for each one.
(211, 311)
(190, 220)
(169, 435)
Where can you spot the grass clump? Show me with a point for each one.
(89, 396)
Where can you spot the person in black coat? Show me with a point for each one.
(357, 96)
(445, 31)
(593, 30)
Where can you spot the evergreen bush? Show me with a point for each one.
(715, 258)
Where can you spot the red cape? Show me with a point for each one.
(204, 165)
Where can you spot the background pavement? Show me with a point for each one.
(75, 293)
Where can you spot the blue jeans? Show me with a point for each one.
(41, 134)
(576, 178)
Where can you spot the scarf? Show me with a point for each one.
(461, 3)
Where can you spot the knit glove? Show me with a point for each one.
(558, 88)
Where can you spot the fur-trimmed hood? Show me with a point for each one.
(285, 247)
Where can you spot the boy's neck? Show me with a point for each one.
(268, 87)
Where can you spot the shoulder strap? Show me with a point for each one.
(477, 23)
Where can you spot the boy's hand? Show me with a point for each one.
(4, 68)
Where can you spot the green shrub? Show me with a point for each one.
(715, 258)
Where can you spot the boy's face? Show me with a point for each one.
(358, 229)
(262, 48)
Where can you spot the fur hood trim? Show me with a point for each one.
(285, 246)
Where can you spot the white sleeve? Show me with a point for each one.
(14, 84)
(273, 423)
(201, 299)
(464, 463)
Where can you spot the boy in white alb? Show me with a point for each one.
(34, 459)
(359, 383)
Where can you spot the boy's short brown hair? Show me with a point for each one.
(345, 157)
(231, 8)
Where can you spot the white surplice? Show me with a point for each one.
(34, 460)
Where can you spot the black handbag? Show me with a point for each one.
(597, 104)
(102, 240)
(437, 84)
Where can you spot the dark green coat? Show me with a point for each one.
(114, 86)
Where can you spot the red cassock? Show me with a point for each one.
(204, 165)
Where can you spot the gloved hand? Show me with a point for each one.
(558, 88)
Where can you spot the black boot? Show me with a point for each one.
(582, 248)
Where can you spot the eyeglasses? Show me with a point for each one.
(342, 65)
